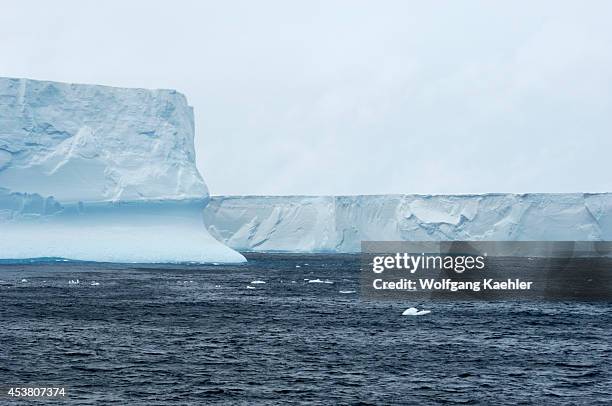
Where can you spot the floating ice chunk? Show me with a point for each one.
(250, 287)
(297, 266)
(315, 281)
(94, 283)
(24, 280)
(346, 292)
(217, 286)
(258, 282)
(411, 311)
(328, 282)
(73, 282)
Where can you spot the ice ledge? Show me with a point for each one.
(161, 231)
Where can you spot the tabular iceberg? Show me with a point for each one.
(100, 173)
(340, 223)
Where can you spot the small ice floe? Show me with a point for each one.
(258, 282)
(315, 281)
(217, 286)
(250, 287)
(215, 263)
(346, 292)
(94, 283)
(297, 266)
(305, 264)
(24, 281)
(73, 282)
(411, 311)
(328, 282)
(293, 282)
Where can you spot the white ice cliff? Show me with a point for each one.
(100, 173)
(339, 224)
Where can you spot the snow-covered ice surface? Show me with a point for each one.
(340, 223)
(100, 173)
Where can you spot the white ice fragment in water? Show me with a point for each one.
(258, 282)
(250, 287)
(328, 282)
(411, 311)
(345, 292)
(217, 286)
(24, 280)
(94, 283)
(315, 281)
(297, 266)
(73, 282)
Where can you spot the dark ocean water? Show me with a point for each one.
(197, 335)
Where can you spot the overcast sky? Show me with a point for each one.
(352, 97)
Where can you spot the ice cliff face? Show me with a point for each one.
(339, 224)
(100, 173)
(96, 143)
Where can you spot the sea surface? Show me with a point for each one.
(195, 334)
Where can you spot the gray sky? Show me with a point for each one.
(352, 97)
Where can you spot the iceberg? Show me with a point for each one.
(340, 223)
(100, 173)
